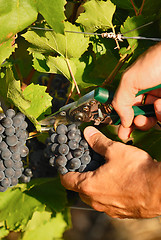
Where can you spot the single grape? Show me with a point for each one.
(72, 135)
(1, 138)
(72, 127)
(28, 172)
(62, 170)
(53, 137)
(20, 115)
(11, 140)
(2, 175)
(7, 122)
(62, 138)
(2, 115)
(63, 149)
(61, 129)
(24, 125)
(77, 153)
(24, 151)
(17, 121)
(6, 182)
(1, 129)
(3, 189)
(52, 161)
(6, 154)
(18, 173)
(14, 181)
(16, 156)
(9, 131)
(77, 138)
(85, 159)
(9, 172)
(74, 164)
(15, 148)
(10, 113)
(72, 144)
(82, 168)
(8, 163)
(54, 147)
(17, 165)
(22, 134)
(84, 143)
(2, 167)
(61, 161)
(3, 145)
(25, 179)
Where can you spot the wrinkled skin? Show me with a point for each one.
(128, 184)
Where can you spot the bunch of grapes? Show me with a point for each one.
(68, 151)
(13, 136)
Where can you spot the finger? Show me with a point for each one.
(144, 123)
(124, 133)
(157, 107)
(78, 182)
(98, 141)
(94, 204)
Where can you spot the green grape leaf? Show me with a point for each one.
(98, 14)
(53, 12)
(49, 42)
(3, 231)
(132, 23)
(125, 4)
(49, 192)
(17, 208)
(10, 90)
(151, 7)
(43, 226)
(6, 49)
(33, 101)
(40, 101)
(15, 16)
(150, 141)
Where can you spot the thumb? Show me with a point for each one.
(98, 141)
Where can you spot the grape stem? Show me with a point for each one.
(141, 9)
(72, 75)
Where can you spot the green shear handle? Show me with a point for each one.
(104, 96)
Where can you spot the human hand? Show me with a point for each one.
(124, 186)
(144, 73)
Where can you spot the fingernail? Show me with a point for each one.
(158, 109)
(90, 131)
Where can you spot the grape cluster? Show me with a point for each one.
(13, 136)
(68, 151)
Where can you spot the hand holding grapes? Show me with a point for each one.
(125, 186)
(144, 73)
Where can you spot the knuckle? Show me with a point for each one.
(85, 186)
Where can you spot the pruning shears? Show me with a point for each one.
(96, 107)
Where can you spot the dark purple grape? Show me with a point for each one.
(74, 164)
(2, 175)
(6, 182)
(7, 122)
(61, 161)
(62, 138)
(28, 172)
(17, 121)
(10, 113)
(25, 179)
(85, 159)
(1, 129)
(84, 143)
(63, 149)
(14, 181)
(77, 153)
(18, 173)
(9, 131)
(9, 172)
(6, 154)
(61, 129)
(11, 140)
(54, 147)
(62, 170)
(72, 127)
(52, 161)
(72, 144)
(8, 163)
(53, 137)
(24, 151)
(17, 165)
(82, 168)
(2, 167)
(72, 135)
(3, 145)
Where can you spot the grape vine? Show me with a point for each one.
(43, 66)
